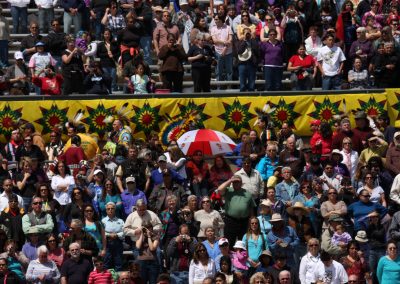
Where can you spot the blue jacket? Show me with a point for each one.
(359, 211)
(266, 168)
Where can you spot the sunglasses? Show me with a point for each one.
(37, 203)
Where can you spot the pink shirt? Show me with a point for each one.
(221, 33)
(57, 256)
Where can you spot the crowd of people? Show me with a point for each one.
(106, 46)
(280, 210)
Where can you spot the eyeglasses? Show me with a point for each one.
(271, 150)
(245, 16)
(272, 34)
(43, 189)
(110, 209)
(3, 265)
(206, 201)
(368, 177)
(346, 143)
(28, 140)
(34, 28)
(268, 20)
(37, 203)
(332, 193)
(392, 248)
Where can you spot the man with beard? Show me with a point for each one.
(345, 131)
(131, 167)
(75, 269)
(12, 146)
(87, 248)
(293, 158)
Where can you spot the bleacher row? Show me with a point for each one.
(232, 86)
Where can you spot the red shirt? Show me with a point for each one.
(100, 277)
(307, 62)
(49, 86)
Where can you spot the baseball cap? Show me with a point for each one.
(130, 179)
(18, 55)
(223, 241)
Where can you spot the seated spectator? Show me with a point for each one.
(288, 189)
(304, 69)
(140, 81)
(5, 32)
(131, 195)
(358, 78)
(246, 22)
(97, 82)
(16, 260)
(313, 42)
(200, 258)
(42, 269)
(11, 218)
(376, 148)
(332, 207)
(18, 76)
(376, 192)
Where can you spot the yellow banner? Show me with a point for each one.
(231, 115)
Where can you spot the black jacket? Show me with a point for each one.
(255, 51)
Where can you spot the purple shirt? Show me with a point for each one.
(30, 251)
(273, 53)
(129, 199)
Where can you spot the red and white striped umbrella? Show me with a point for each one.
(210, 142)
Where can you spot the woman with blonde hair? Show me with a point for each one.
(258, 278)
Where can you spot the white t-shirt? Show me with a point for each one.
(62, 197)
(334, 274)
(331, 59)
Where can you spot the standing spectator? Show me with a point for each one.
(55, 252)
(201, 57)
(38, 220)
(253, 148)
(251, 180)
(248, 57)
(100, 274)
(72, 68)
(97, 11)
(389, 265)
(144, 15)
(304, 68)
(19, 13)
(113, 20)
(209, 218)
(293, 158)
(293, 31)
(39, 61)
(18, 76)
(131, 195)
(72, 14)
(201, 265)
(45, 14)
(239, 205)
(26, 182)
(162, 30)
(129, 39)
(362, 48)
(28, 43)
(108, 53)
(329, 270)
(11, 217)
(331, 59)
(313, 42)
(222, 38)
(114, 232)
(172, 56)
(42, 270)
(288, 189)
(272, 52)
(76, 269)
(4, 38)
(48, 82)
(56, 42)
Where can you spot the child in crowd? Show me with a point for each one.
(341, 237)
(239, 257)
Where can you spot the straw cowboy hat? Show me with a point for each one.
(297, 205)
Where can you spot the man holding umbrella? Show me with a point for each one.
(239, 205)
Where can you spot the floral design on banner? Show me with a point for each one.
(52, 117)
(284, 113)
(326, 110)
(146, 119)
(9, 119)
(396, 106)
(96, 117)
(237, 116)
(192, 107)
(372, 107)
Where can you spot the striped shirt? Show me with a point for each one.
(36, 269)
(100, 277)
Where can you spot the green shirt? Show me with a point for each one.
(238, 204)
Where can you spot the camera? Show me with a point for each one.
(80, 176)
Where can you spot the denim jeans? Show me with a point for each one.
(4, 52)
(331, 82)
(27, 202)
(145, 45)
(224, 67)
(247, 76)
(179, 277)
(75, 19)
(112, 72)
(273, 78)
(113, 257)
(374, 256)
(200, 190)
(96, 24)
(19, 19)
(45, 18)
(149, 270)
